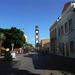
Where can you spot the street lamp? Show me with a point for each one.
(12, 45)
(13, 54)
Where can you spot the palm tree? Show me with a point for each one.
(2, 38)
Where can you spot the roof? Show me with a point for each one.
(45, 40)
(65, 6)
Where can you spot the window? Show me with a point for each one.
(59, 47)
(36, 33)
(36, 41)
(62, 32)
(66, 27)
(55, 31)
(53, 34)
(63, 49)
(70, 25)
(72, 46)
(58, 31)
(36, 36)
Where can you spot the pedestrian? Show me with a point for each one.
(20, 50)
(42, 52)
(24, 49)
(46, 51)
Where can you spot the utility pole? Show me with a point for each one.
(22, 28)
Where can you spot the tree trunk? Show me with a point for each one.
(0, 46)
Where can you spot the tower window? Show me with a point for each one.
(36, 36)
(36, 41)
(36, 31)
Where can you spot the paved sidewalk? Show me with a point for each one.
(9, 67)
(57, 65)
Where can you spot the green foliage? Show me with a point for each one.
(29, 46)
(13, 35)
(2, 37)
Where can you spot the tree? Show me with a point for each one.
(15, 36)
(2, 38)
(29, 46)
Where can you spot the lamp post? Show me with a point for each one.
(13, 54)
(12, 45)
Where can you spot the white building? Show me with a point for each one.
(53, 37)
(26, 37)
(66, 31)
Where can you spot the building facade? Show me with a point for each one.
(66, 31)
(45, 44)
(53, 38)
(26, 37)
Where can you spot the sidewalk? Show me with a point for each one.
(8, 67)
(2, 57)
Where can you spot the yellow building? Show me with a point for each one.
(44, 42)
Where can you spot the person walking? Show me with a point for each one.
(42, 51)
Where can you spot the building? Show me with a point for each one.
(66, 31)
(26, 37)
(53, 38)
(47, 47)
(45, 44)
(66, 27)
(36, 37)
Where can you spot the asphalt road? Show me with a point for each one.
(29, 63)
(34, 63)
(37, 64)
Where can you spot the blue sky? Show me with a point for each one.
(30, 13)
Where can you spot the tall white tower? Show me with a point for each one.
(36, 36)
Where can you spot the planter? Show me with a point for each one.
(13, 54)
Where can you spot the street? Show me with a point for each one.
(34, 63)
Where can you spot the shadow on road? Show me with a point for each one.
(7, 67)
(53, 62)
(25, 72)
(12, 68)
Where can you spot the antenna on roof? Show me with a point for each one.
(22, 28)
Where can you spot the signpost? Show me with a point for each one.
(24, 47)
